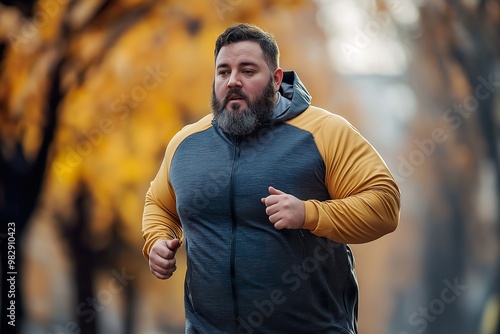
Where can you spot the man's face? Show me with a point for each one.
(244, 90)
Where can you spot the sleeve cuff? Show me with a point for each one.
(312, 216)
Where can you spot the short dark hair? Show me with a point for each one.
(249, 32)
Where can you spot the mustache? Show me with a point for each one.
(234, 91)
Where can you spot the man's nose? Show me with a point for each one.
(234, 80)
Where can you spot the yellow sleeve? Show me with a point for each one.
(160, 219)
(365, 199)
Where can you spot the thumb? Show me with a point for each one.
(274, 191)
(173, 244)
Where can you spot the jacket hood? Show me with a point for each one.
(293, 90)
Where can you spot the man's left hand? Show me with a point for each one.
(284, 210)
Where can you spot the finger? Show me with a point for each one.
(173, 244)
(162, 253)
(272, 209)
(163, 270)
(158, 275)
(161, 249)
(161, 276)
(274, 218)
(279, 225)
(271, 199)
(162, 263)
(274, 191)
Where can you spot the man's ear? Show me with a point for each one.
(278, 77)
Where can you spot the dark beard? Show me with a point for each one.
(243, 122)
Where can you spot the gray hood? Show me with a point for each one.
(294, 98)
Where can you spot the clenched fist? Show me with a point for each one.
(284, 210)
(162, 258)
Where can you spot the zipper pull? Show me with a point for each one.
(237, 148)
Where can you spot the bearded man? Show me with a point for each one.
(266, 193)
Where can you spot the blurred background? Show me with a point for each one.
(91, 92)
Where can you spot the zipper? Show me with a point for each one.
(302, 242)
(233, 233)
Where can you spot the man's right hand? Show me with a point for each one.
(161, 258)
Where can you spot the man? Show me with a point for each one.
(265, 193)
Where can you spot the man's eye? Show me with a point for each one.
(224, 72)
(247, 72)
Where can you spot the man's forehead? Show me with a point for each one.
(240, 52)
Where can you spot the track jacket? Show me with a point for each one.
(243, 275)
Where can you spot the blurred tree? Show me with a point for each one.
(457, 77)
(22, 172)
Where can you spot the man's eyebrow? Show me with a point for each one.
(245, 63)
(248, 63)
(223, 65)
